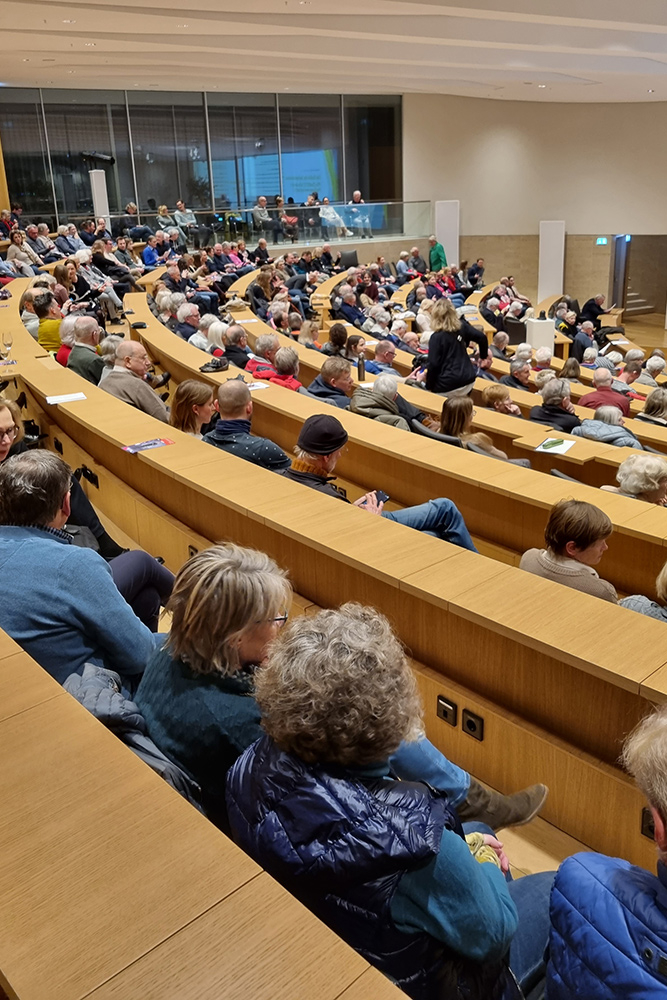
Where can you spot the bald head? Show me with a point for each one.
(602, 378)
(129, 349)
(234, 400)
(86, 330)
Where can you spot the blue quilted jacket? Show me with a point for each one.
(608, 931)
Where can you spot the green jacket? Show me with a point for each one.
(86, 363)
(437, 259)
(370, 404)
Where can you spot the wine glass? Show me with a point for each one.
(7, 342)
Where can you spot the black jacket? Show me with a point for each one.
(448, 364)
(236, 355)
(323, 484)
(554, 416)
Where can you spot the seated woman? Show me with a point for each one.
(142, 581)
(384, 863)
(655, 408)
(286, 364)
(354, 348)
(308, 334)
(192, 407)
(571, 370)
(21, 255)
(165, 222)
(289, 223)
(107, 351)
(66, 334)
(644, 605)
(576, 535)
(606, 425)
(335, 345)
(331, 220)
(643, 477)
(92, 285)
(456, 421)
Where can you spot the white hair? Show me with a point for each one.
(555, 391)
(286, 361)
(636, 354)
(386, 385)
(206, 320)
(492, 303)
(425, 337)
(590, 354)
(66, 329)
(655, 365)
(83, 255)
(399, 326)
(543, 355)
(641, 474)
(524, 351)
(187, 309)
(608, 415)
(216, 334)
(615, 357)
(587, 325)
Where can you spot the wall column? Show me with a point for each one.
(4, 191)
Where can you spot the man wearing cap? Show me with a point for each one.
(318, 449)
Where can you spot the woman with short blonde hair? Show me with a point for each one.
(197, 692)
(643, 477)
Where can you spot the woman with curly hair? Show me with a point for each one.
(384, 863)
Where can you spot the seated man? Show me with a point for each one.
(236, 341)
(63, 607)
(260, 255)
(83, 358)
(41, 243)
(29, 317)
(416, 262)
(177, 280)
(232, 431)
(262, 220)
(379, 402)
(286, 363)
(593, 309)
(334, 383)
(261, 364)
(384, 354)
(519, 374)
(576, 535)
(123, 256)
(654, 366)
(497, 397)
(623, 382)
(542, 360)
(187, 222)
(604, 394)
(498, 346)
(350, 311)
(490, 310)
(556, 409)
(584, 338)
(50, 317)
(318, 449)
(126, 380)
(608, 917)
(153, 257)
(187, 317)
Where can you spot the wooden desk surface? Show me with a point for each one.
(240, 286)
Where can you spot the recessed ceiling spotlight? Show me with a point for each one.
(90, 45)
(71, 71)
(69, 20)
(182, 25)
(651, 91)
(26, 60)
(542, 86)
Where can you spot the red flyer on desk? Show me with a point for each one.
(146, 445)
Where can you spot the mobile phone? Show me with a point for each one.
(381, 496)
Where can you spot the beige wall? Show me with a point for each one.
(647, 269)
(505, 255)
(587, 267)
(600, 167)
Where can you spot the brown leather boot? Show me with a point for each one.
(484, 805)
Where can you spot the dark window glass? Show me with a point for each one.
(24, 152)
(311, 143)
(170, 150)
(87, 130)
(373, 163)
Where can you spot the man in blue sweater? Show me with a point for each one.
(63, 607)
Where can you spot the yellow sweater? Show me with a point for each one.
(48, 335)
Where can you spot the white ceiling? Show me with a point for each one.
(534, 50)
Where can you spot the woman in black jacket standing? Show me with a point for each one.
(449, 368)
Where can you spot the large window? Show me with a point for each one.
(216, 151)
(25, 154)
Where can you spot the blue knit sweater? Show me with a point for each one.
(60, 603)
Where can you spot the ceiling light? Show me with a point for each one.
(542, 86)
(26, 60)
(651, 91)
(90, 45)
(71, 71)
(182, 25)
(69, 21)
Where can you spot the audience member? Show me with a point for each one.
(437, 258)
(542, 359)
(593, 309)
(192, 407)
(360, 221)
(351, 311)
(645, 606)
(571, 370)
(630, 374)
(29, 317)
(498, 346)
(286, 364)
(318, 449)
(404, 888)
(567, 325)
(188, 317)
(519, 374)
(497, 397)
(21, 254)
(576, 536)
(604, 394)
(232, 431)
(336, 344)
(491, 312)
(37, 238)
(334, 383)
(642, 477)
(83, 358)
(655, 408)
(449, 369)
(49, 315)
(542, 377)
(235, 346)
(556, 409)
(416, 262)
(476, 273)
(607, 426)
(654, 366)
(66, 334)
(379, 402)
(67, 611)
(261, 364)
(129, 224)
(456, 421)
(187, 223)
(108, 348)
(608, 926)
(384, 354)
(263, 221)
(127, 380)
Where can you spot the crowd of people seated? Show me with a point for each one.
(322, 713)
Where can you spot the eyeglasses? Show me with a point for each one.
(280, 619)
(9, 434)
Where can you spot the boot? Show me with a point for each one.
(483, 805)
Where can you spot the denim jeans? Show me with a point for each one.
(440, 517)
(419, 760)
(208, 302)
(530, 895)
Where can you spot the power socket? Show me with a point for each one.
(472, 724)
(447, 710)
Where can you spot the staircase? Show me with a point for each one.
(635, 305)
